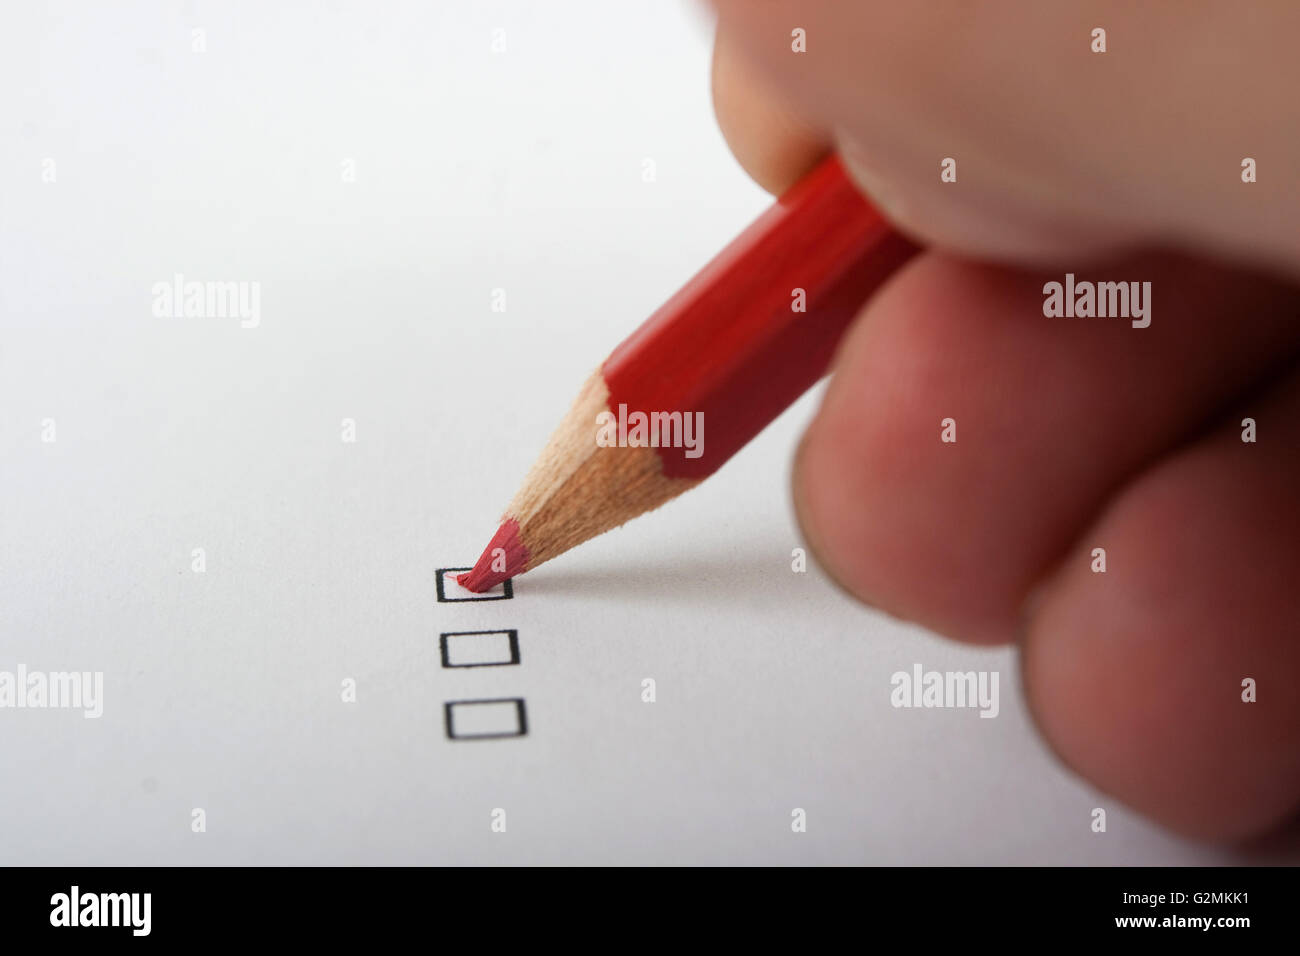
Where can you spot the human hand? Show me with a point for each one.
(1073, 434)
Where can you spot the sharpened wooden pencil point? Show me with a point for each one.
(729, 351)
(577, 489)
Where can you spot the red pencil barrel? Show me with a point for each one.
(732, 345)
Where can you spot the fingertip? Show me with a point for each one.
(825, 505)
(1137, 657)
(764, 132)
(808, 512)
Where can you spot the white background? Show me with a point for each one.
(475, 170)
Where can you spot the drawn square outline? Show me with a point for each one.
(512, 635)
(521, 718)
(507, 592)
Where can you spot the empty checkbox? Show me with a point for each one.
(485, 719)
(480, 648)
(449, 590)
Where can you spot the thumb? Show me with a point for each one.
(1062, 141)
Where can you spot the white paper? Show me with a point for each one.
(200, 531)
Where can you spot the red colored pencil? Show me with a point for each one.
(750, 333)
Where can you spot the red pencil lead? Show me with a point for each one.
(504, 557)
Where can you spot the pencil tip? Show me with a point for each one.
(504, 557)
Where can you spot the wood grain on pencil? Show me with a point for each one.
(742, 340)
(575, 491)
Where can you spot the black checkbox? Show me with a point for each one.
(490, 719)
(479, 648)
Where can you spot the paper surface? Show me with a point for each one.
(239, 523)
